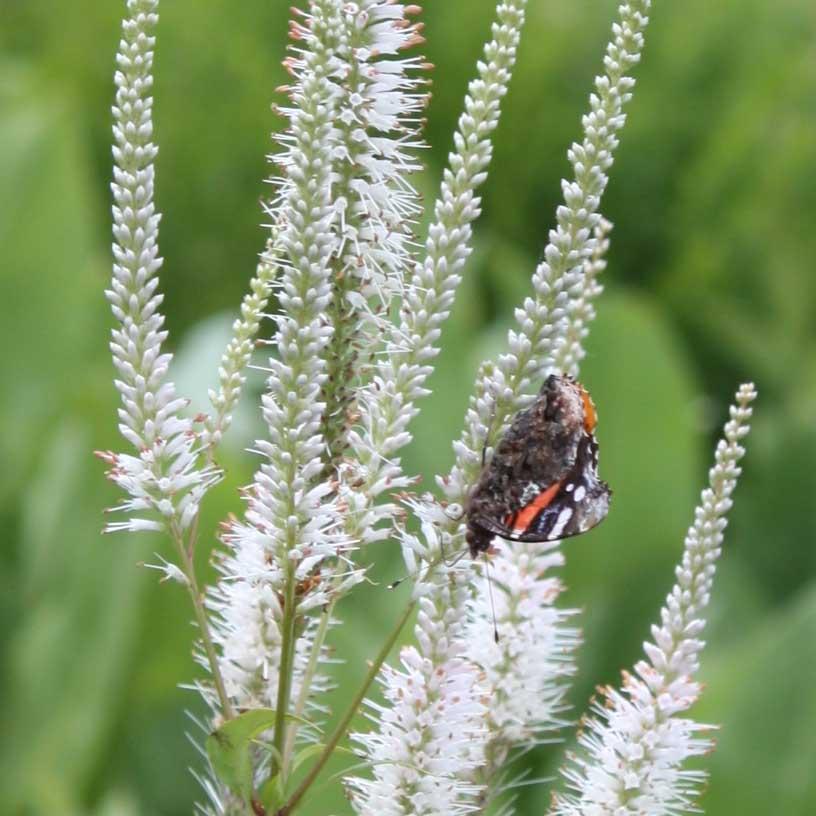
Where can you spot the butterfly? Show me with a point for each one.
(542, 482)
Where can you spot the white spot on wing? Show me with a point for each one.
(561, 522)
(580, 493)
(569, 488)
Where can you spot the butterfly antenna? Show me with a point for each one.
(492, 601)
(455, 559)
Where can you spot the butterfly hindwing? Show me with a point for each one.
(573, 505)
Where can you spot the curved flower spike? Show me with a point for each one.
(635, 743)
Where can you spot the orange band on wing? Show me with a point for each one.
(524, 518)
(590, 416)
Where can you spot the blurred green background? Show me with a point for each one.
(710, 281)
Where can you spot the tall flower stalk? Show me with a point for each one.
(528, 666)
(343, 217)
(361, 302)
(237, 355)
(291, 522)
(633, 748)
(164, 479)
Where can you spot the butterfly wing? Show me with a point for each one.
(573, 505)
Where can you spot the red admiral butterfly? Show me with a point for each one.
(542, 483)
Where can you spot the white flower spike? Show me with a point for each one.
(428, 737)
(342, 220)
(164, 479)
(526, 669)
(634, 746)
(387, 404)
(552, 324)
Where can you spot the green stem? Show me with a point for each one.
(188, 566)
(287, 662)
(340, 730)
(305, 687)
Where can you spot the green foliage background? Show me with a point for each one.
(710, 281)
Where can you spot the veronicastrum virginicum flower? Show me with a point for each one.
(527, 668)
(238, 353)
(164, 479)
(429, 734)
(633, 748)
(386, 405)
(291, 522)
(343, 217)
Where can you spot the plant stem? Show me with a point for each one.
(340, 730)
(308, 674)
(186, 556)
(286, 663)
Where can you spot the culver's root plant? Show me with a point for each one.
(358, 301)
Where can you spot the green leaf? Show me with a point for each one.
(229, 746)
(314, 750)
(70, 634)
(308, 752)
(272, 794)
